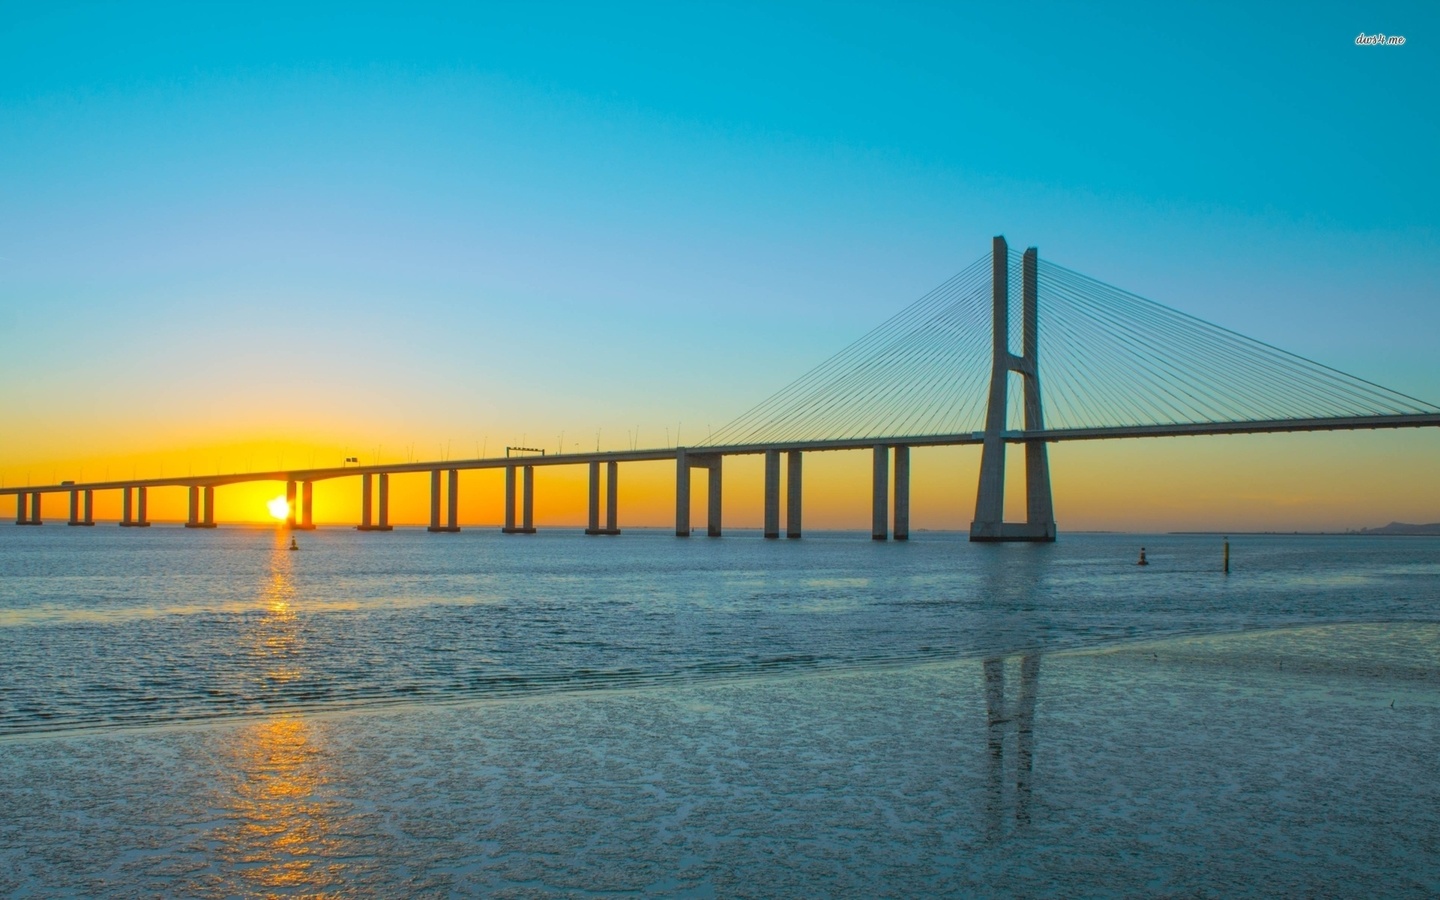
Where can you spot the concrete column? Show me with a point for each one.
(434, 499)
(1039, 510)
(22, 508)
(527, 501)
(593, 526)
(307, 506)
(612, 502)
(384, 505)
(74, 508)
(902, 493)
(682, 494)
(209, 506)
(452, 512)
(879, 526)
(125, 515)
(89, 507)
(365, 498)
(772, 493)
(193, 519)
(509, 527)
(290, 504)
(452, 503)
(713, 520)
(792, 490)
(142, 517)
(990, 498)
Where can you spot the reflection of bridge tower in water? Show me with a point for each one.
(1000, 720)
(990, 524)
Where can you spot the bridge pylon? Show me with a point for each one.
(989, 523)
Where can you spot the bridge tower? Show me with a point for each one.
(990, 524)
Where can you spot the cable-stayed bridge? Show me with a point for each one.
(1093, 362)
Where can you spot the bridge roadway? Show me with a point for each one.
(201, 487)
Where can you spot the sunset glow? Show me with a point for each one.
(279, 508)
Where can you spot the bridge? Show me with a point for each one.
(941, 372)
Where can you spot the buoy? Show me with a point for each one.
(295, 546)
(1143, 561)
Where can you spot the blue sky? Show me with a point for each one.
(497, 218)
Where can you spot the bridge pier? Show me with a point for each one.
(879, 494)
(74, 508)
(452, 502)
(792, 489)
(134, 513)
(290, 505)
(612, 498)
(684, 462)
(713, 520)
(902, 493)
(527, 501)
(772, 494)
(27, 508)
(989, 524)
(89, 507)
(202, 515)
(366, 498)
(367, 504)
(611, 477)
(307, 506)
(682, 494)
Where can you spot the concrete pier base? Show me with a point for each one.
(27, 508)
(684, 462)
(792, 494)
(133, 511)
(367, 521)
(307, 507)
(712, 523)
(593, 522)
(772, 494)
(89, 507)
(879, 494)
(290, 505)
(195, 519)
(682, 494)
(527, 510)
(902, 494)
(452, 503)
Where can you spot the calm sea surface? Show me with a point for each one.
(103, 627)
(206, 714)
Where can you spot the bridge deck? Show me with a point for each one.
(1276, 426)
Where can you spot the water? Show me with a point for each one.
(204, 713)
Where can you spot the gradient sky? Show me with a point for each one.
(234, 234)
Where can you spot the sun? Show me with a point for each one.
(279, 508)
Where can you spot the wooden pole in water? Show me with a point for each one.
(1227, 556)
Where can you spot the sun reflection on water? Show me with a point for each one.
(280, 838)
(277, 639)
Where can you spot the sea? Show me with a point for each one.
(209, 713)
